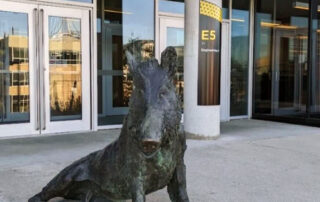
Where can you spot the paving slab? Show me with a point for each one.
(251, 161)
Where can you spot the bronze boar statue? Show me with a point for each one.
(147, 156)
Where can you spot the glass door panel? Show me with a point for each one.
(14, 79)
(172, 34)
(290, 62)
(65, 65)
(175, 38)
(16, 69)
(66, 70)
(117, 32)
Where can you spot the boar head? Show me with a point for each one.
(154, 110)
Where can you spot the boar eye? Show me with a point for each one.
(162, 94)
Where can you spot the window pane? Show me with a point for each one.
(175, 38)
(65, 68)
(239, 57)
(14, 68)
(171, 6)
(122, 26)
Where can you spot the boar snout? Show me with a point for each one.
(150, 146)
(151, 133)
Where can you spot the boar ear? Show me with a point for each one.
(169, 61)
(131, 61)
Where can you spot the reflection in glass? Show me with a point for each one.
(225, 9)
(65, 68)
(121, 27)
(263, 59)
(281, 59)
(290, 69)
(239, 58)
(171, 6)
(14, 68)
(175, 38)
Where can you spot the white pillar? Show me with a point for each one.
(201, 122)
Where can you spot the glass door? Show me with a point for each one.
(172, 34)
(44, 69)
(66, 70)
(17, 69)
(290, 71)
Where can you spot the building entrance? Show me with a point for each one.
(289, 78)
(44, 68)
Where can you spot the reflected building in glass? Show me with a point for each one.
(65, 68)
(14, 69)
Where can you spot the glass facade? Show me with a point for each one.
(283, 83)
(122, 26)
(286, 67)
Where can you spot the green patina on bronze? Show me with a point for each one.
(147, 156)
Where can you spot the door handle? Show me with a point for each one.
(36, 66)
(42, 74)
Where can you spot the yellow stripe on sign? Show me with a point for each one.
(210, 10)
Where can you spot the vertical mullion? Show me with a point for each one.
(312, 52)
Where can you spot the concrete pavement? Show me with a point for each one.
(252, 161)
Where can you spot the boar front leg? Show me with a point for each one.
(138, 194)
(177, 188)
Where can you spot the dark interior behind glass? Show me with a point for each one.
(286, 87)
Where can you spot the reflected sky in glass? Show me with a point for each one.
(301, 22)
(60, 25)
(240, 23)
(171, 7)
(138, 20)
(263, 36)
(175, 36)
(13, 24)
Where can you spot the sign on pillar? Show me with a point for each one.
(210, 19)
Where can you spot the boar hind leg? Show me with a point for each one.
(177, 187)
